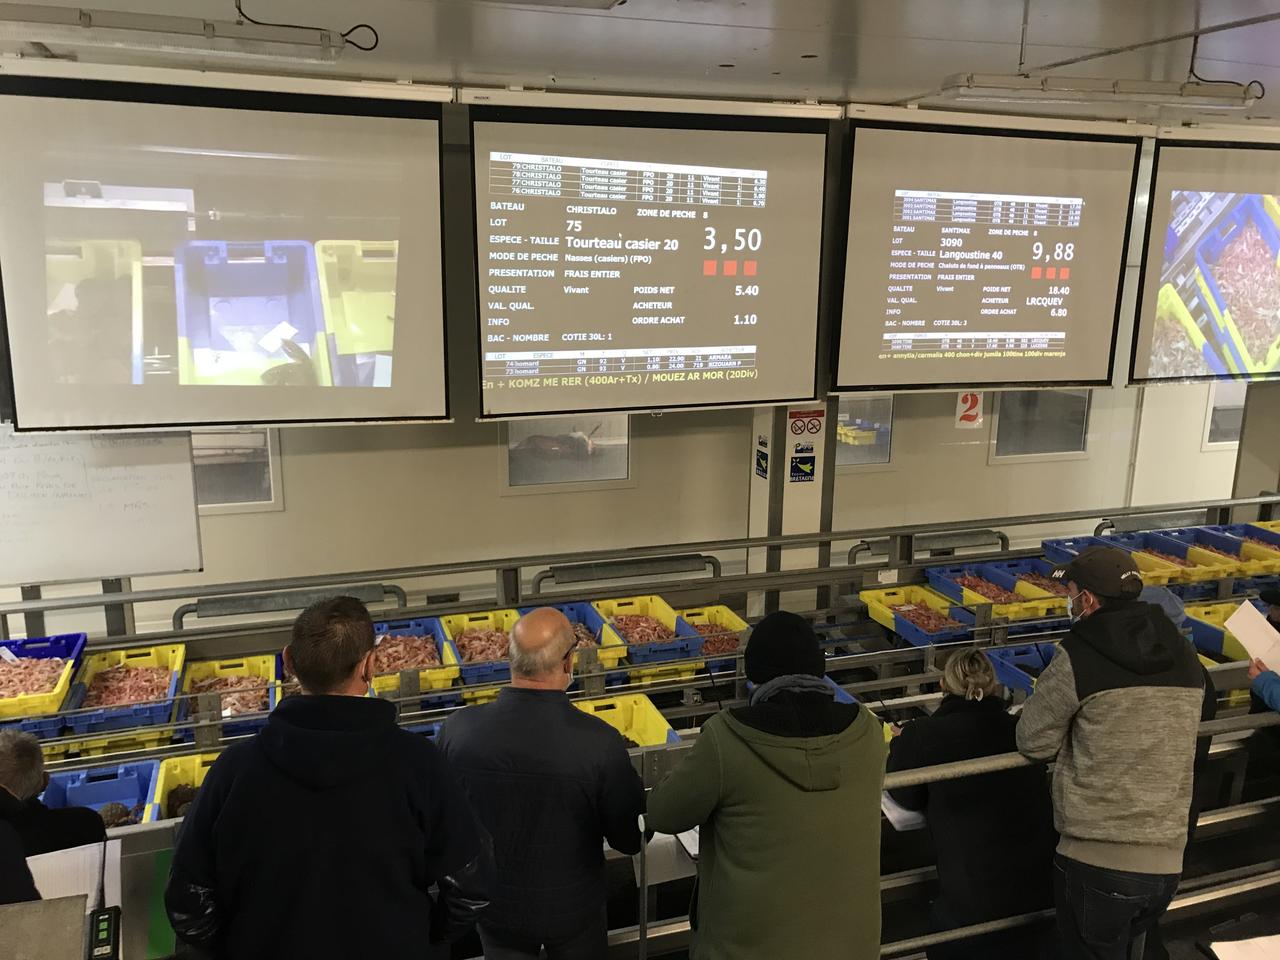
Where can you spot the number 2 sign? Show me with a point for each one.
(968, 411)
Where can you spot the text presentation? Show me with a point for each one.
(173, 264)
(640, 268)
(979, 259)
(1211, 286)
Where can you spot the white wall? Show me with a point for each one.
(1173, 464)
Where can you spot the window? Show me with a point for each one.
(1226, 412)
(864, 432)
(237, 471)
(1038, 423)
(583, 449)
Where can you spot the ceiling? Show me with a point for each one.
(861, 50)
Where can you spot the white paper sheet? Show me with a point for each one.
(1255, 634)
(67, 873)
(1262, 948)
(689, 840)
(666, 860)
(899, 817)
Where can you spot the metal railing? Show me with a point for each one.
(508, 582)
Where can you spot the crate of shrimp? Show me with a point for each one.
(481, 641)
(650, 629)
(723, 633)
(177, 783)
(917, 614)
(1011, 597)
(1234, 556)
(35, 678)
(1258, 543)
(117, 793)
(420, 644)
(1162, 560)
(635, 717)
(133, 687)
(1018, 668)
(588, 628)
(247, 687)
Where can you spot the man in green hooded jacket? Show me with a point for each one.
(787, 794)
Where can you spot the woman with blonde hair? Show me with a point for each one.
(993, 834)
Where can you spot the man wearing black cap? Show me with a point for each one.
(787, 792)
(1119, 706)
(1266, 682)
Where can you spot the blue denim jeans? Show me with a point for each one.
(1101, 912)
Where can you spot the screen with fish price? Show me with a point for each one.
(646, 267)
(980, 259)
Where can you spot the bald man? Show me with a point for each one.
(549, 782)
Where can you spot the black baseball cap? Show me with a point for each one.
(1105, 571)
(1271, 597)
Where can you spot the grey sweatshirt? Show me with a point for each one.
(1119, 706)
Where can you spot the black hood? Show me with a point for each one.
(1138, 637)
(323, 742)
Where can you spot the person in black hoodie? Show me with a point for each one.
(993, 835)
(22, 781)
(321, 836)
(1119, 706)
(16, 883)
(549, 782)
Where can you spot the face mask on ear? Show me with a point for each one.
(1074, 607)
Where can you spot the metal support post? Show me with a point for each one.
(208, 718)
(508, 586)
(119, 615)
(33, 622)
(642, 907)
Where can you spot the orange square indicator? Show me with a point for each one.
(1036, 273)
(731, 268)
(748, 268)
(1064, 273)
(1051, 273)
(709, 267)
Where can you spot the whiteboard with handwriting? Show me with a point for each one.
(91, 507)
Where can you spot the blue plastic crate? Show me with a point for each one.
(1009, 663)
(430, 678)
(1066, 550)
(429, 730)
(1208, 634)
(842, 695)
(238, 302)
(126, 783)
(38, 714)
(230, 728)
(1244, 531)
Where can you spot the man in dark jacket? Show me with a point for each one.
(16, 884)
(22, 781)
(787, 794)
(1119, 706)
(549, 783)
(993, 835)
(320, 837)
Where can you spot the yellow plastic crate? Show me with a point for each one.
(263, 667)
(664, 673)
(1038, 605)
(456, 624)
(1217, 614)
(717, 615)
(1158, 573)
(126, 741)
(649, 606)
(634, 716)
(1219, 566)
(173, 772)
(880, 604)
(171, 656)
(1235, 698)
(433, 678)
(40, 704)
(476, 697)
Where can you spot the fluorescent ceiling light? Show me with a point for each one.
(78, 27)
(1005, 88)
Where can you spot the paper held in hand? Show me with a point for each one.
(1255, 634)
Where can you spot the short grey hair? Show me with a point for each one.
(531, 664)
(21, 764)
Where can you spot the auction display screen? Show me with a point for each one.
(641, 267)
(236, 261)
(978, 258)
(1210, 283)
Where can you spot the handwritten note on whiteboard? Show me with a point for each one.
(89, 507)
